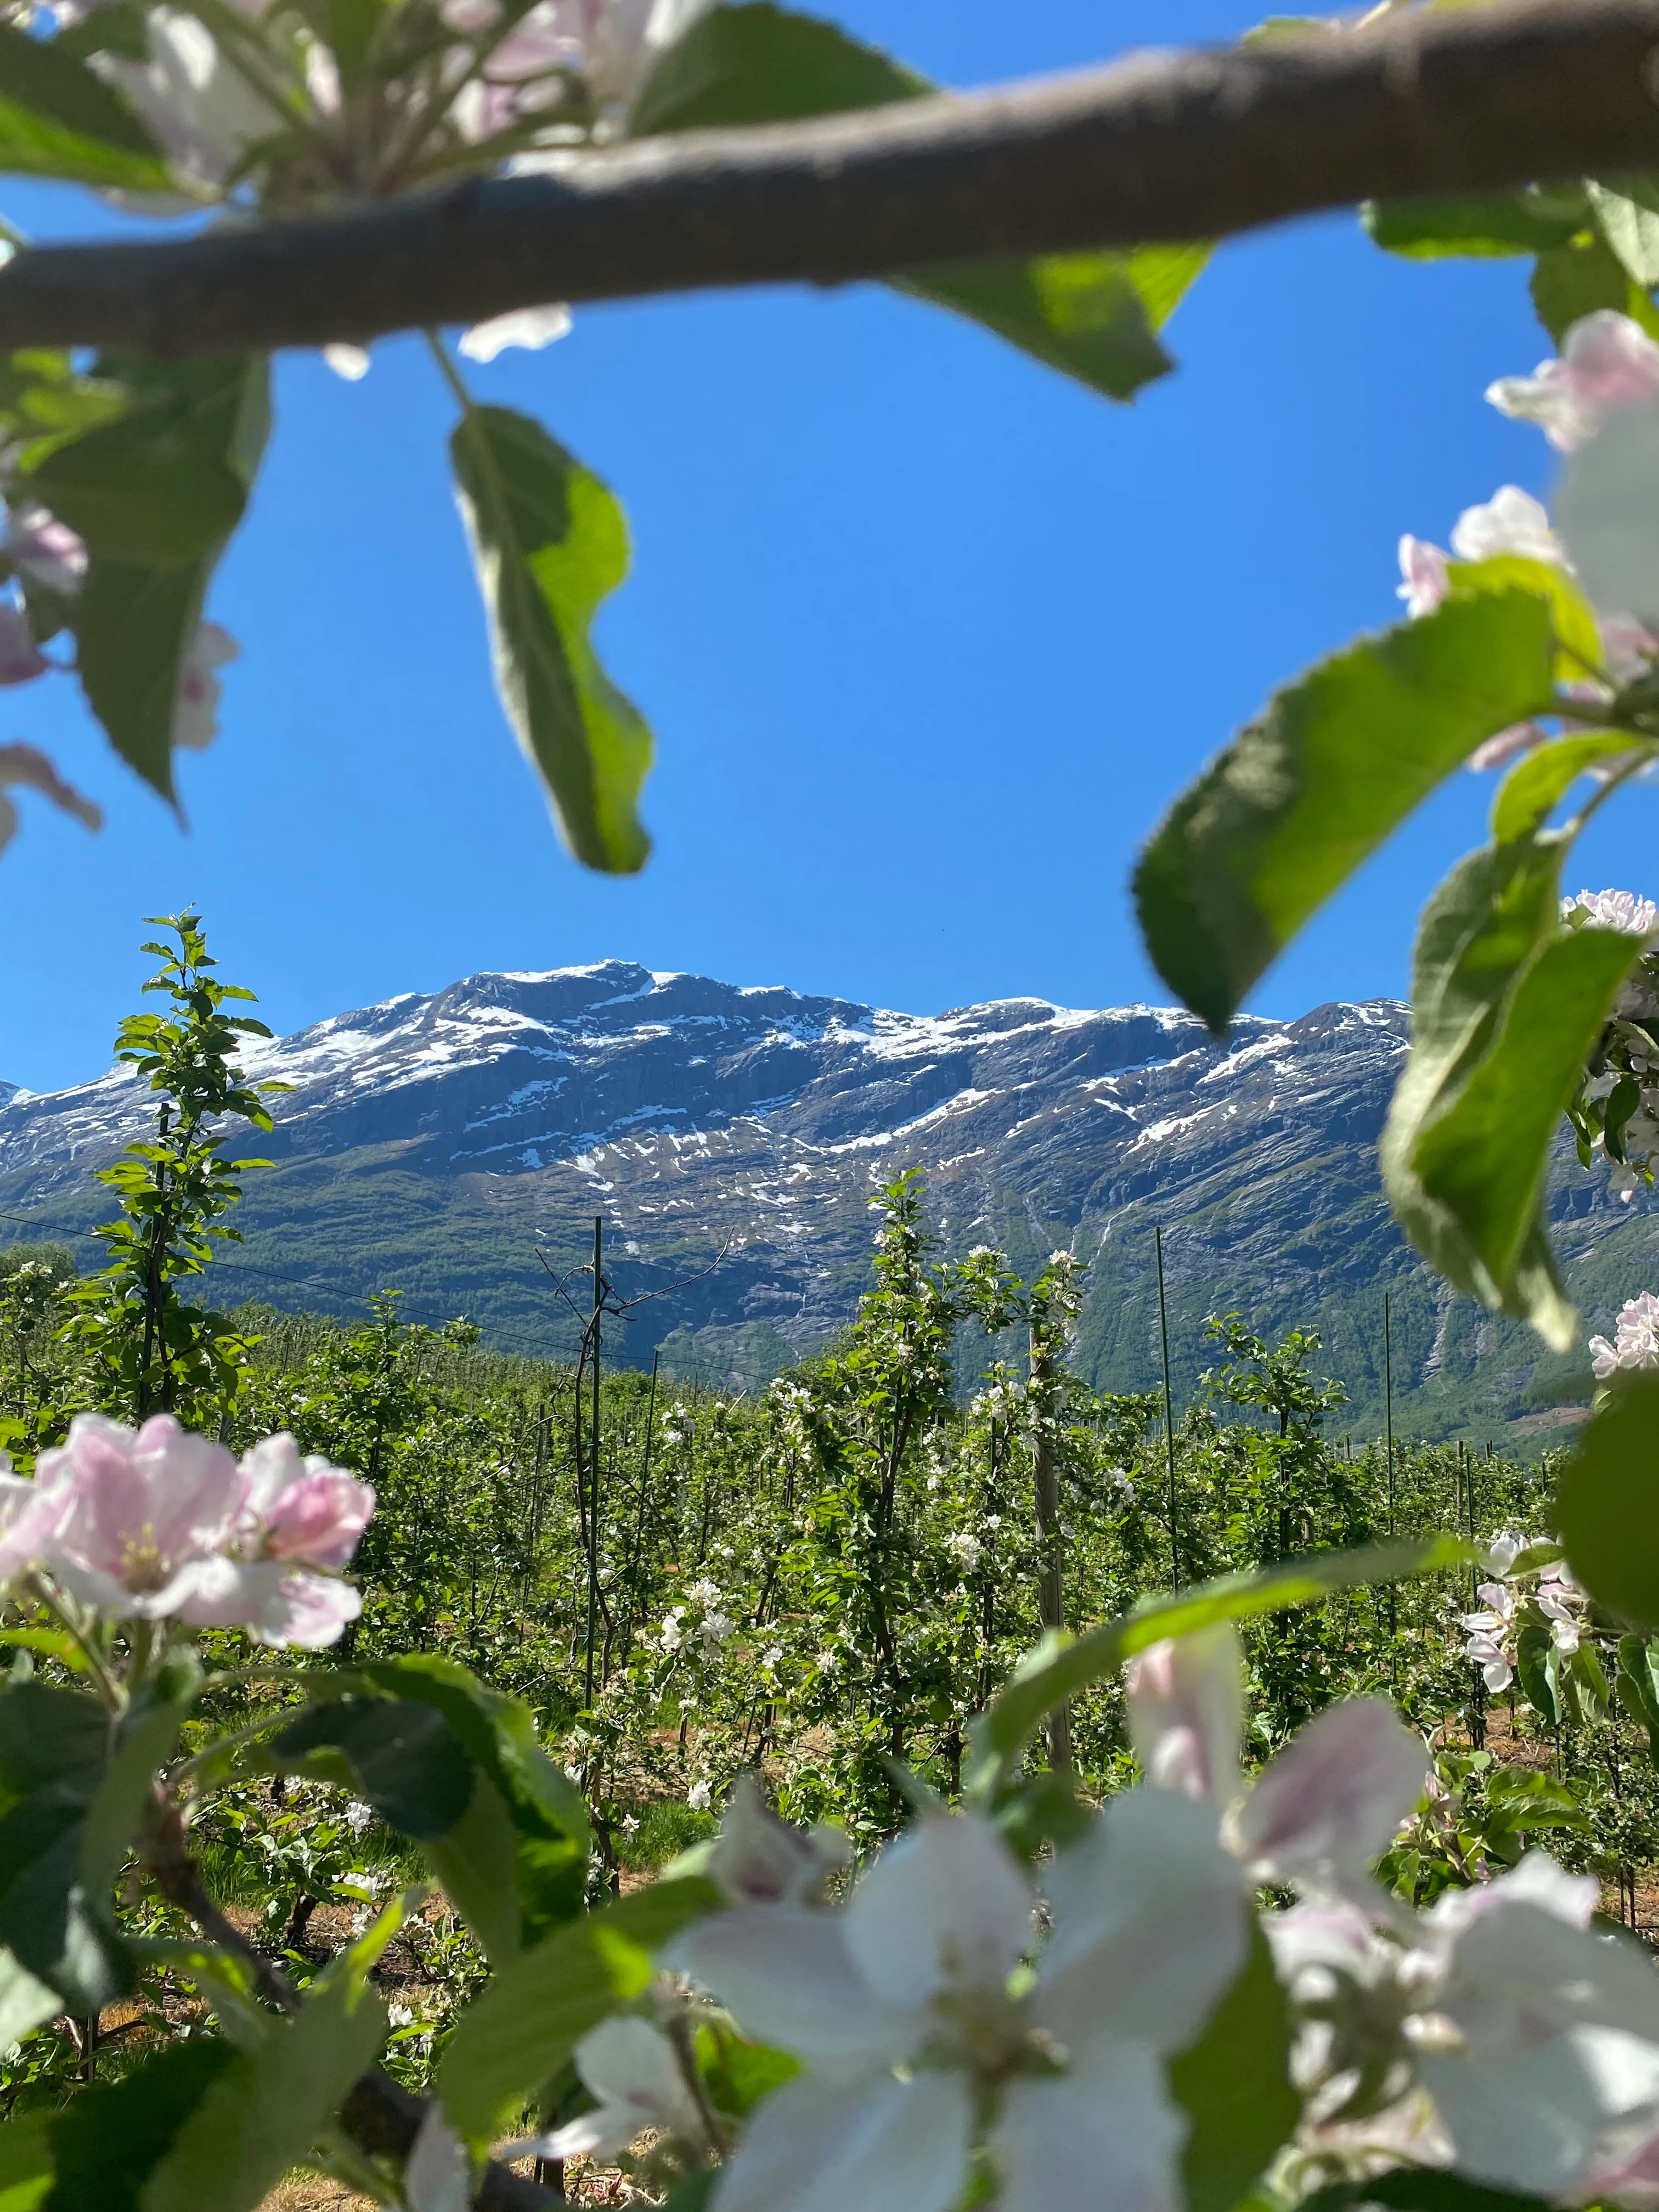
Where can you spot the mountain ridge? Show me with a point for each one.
(458, 1144)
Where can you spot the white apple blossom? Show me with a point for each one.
(630, 2066)
(349, 362)
(699, 1796)
(1636, 1338)
(1491, 1632)
(531, 328)
(201, 111)
(964, 1549)
(1613, 910)
(918, 2041)
(758, 1859)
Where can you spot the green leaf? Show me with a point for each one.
(1607, 1503)
(1088, 314)
(515, 1864)
(1419, 2188)
(1506, 1006)
(266, 2109)
(109, 2141)
(1577, 633)
(156, 494)
(57, 119)
(1336, 762)
(1631, 227)
(1530, 221)
(1234, 2085)
(1094, 316)
(405, 1758)
(761, 64)
(25, 2002)
(26, 2171)
(550, 543)
(535, 2011)
(1535, 1648)
(1532, 789)
(1060, 1667)
(1569, 281)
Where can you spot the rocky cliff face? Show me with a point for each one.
(457, 1146)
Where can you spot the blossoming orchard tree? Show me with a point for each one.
(1198, 1995)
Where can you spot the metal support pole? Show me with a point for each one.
(593, 1468)
(1169, 1412)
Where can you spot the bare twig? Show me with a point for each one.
(1160, 146)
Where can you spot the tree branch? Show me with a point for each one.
(1157, 146)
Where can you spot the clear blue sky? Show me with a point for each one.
(929, 635)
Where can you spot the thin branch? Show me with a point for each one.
(1159, 146)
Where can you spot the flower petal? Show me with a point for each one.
(878, 2143)
(1106, 2135)
(786, 1974)
(1330, 1804)
(1542, 2119)
(1186, 1712)
(1149, 1925)
(946, 1905)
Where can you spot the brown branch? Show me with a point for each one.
(1160, 146)
(379, 2115)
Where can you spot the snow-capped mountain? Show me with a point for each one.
(449, 1144)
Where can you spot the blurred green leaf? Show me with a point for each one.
(1094, 316)
(1607, 1503)
(1533, 787)
(113, 2138)
(535, 2011)
(155, 494)
(1569, 281)
(264, 2111)
(1336, 762)
(1419, 2188)
(1060, 1667)
(57, 119)
(549, 543)
(1629, 218)
(1505, 1009)
(1529, 220)
(404, 1758)
(1234, 2085)
(26, 2165)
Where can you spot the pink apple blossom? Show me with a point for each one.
(1186, 1712)
(301, 1510)
(23, 767)
(20, 659)
(196, 714)
(47, 551)
(144, 1518)
(1607, 362)
(1423, 569)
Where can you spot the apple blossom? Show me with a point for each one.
(1607, 363)
(20, 659)
(758, 1859)
(301, 1510)
(194, 715)
(917, 2040)
(1622, 911)
(1636, 1338)
(437, 2174)
(47, 551)
(201, 111)
(1186, 1712)
(530, 327)
(157, 1524)
(21, 767)
(349, 362)
(1491, 1636)
(1321, 1812)
(630, 2066)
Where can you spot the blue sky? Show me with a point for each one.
(929, 636)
